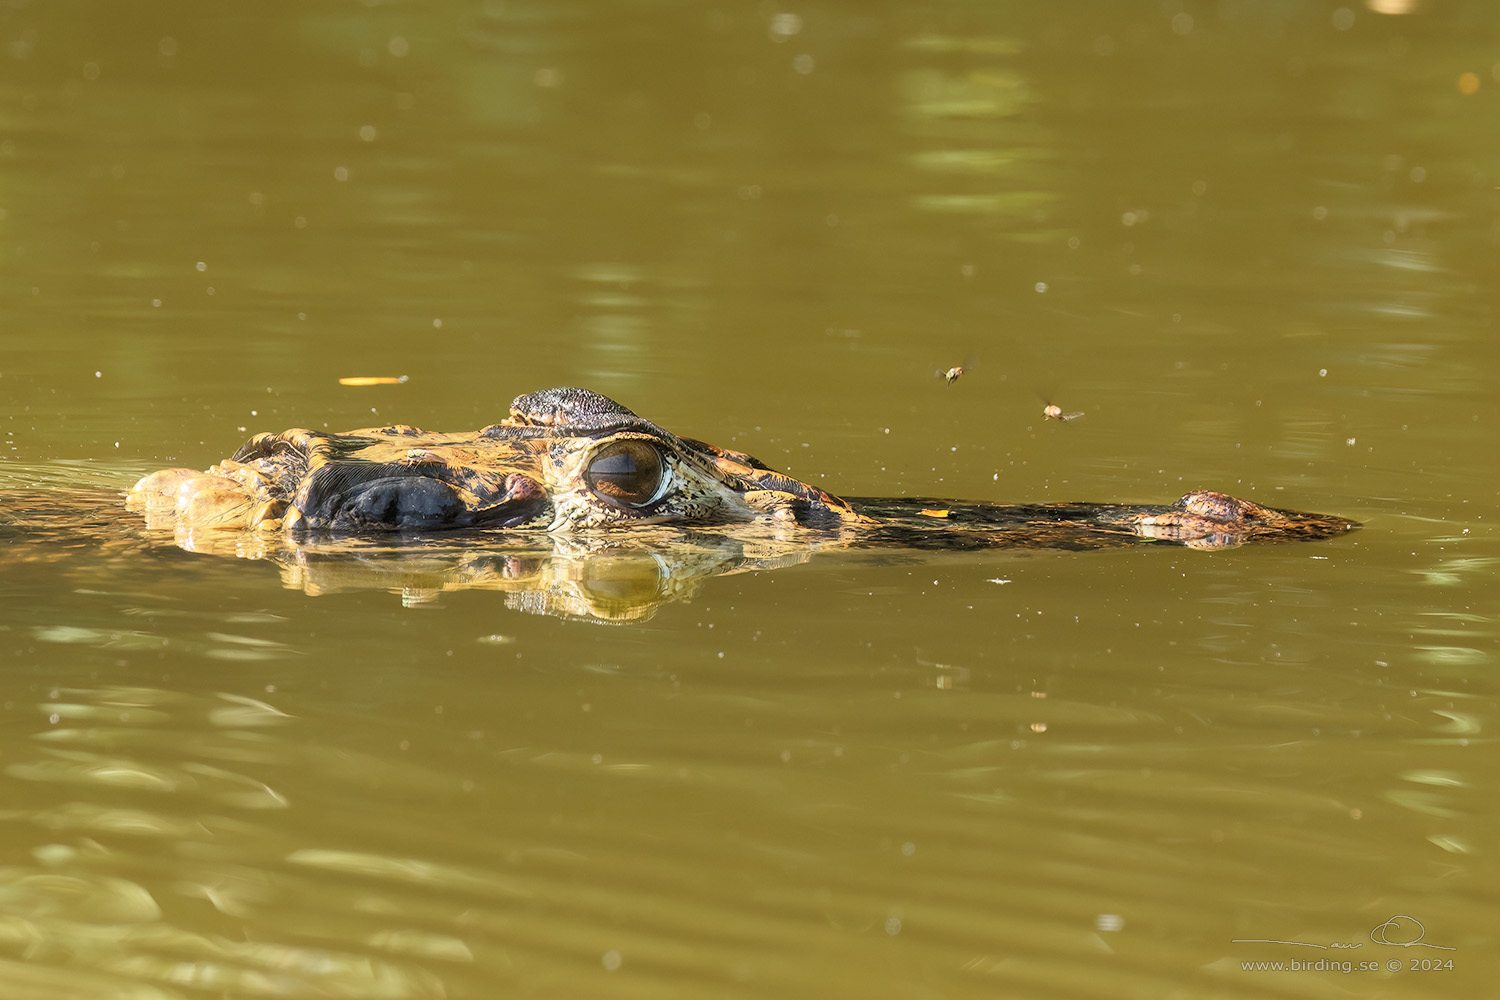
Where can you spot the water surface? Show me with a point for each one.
(1251, 243)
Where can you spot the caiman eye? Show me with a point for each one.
(626, 473)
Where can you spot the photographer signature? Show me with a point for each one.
(1400, 931)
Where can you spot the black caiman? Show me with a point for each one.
(573, 475)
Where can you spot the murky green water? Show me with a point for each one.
(1254, 243)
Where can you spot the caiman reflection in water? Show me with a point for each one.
(575, 505)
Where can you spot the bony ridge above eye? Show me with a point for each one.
(628, 473)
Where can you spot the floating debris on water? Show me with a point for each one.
(1054, 412)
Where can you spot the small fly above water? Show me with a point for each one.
(951, 375)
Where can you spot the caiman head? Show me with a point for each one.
(568, 461)
(565, 460)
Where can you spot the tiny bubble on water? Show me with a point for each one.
(1109, 922)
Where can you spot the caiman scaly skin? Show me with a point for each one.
(572, 461)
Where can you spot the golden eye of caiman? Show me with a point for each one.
(626, 473)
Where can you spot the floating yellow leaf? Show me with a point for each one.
(372, 380)
(935, 513)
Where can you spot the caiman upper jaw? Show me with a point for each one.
(772, 494)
